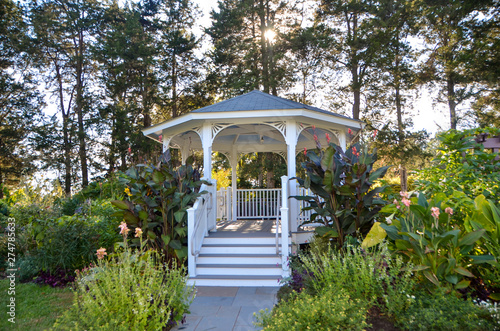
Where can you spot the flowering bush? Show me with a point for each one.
(129, 291)
(424, 233)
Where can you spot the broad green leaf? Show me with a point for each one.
(130, 218)
(420, 267)
(325, 231)
(120, 204)
(376, 235)
(158, 177)
(181, 253)
(380, 172)
(422, 200)
(471, 237)
(151, 235)
(179, 215)
(165, 238)
(431, 277)
(463, 271)
(495, 296)
(452, 279)
(175, 244)
(143, 215)
(478, 259)
(402, 244)
(462, 284)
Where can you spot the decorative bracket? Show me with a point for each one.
(280, 126)
(218, 127)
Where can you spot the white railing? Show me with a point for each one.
(257, 203)
(224, 203)
(201, 219)
(304, 215)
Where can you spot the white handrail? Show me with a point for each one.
(201, 218)
(284, 227)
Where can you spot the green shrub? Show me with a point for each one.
(374, 277)
(462, 165)
(27, 268)
(133, 292)
(70, 242)
(444, 311)
(333, 309)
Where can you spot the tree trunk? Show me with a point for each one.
(263, 44)
(1, 184)
(174, 86)
(67, 155)
(270, 183)
(403, 177)
(66, 139)
(452, 104)
(79, 111)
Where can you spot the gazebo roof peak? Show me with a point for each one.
(258, 100)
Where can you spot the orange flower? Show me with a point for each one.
(123, 228)
(101, 252)
(138, 232)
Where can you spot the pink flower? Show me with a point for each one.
(448, 210)
(395, 202)
(138, 232)
(406, 202)
(315, 138)
(403, 194)
(435, 212)
(327, 137)
(314, 127)
(160, 138)
(123, 228)
(305, 151)
(129, 151)
(349, 131)
(375, 133)
(101, 252)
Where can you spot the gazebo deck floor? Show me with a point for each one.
(245, 228)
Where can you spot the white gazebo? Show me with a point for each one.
(254, 122)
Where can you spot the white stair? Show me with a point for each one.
(238, 261)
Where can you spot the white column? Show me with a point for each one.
(165, 140)
(206, 141)
(291, 144)
(184, 153)
(233, 161)
(342, 139)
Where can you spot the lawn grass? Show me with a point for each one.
(37, 307)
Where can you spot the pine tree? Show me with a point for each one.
(449, 40)
(19, 99)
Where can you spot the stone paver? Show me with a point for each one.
(227, 308)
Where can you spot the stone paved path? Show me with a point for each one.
(228, 308)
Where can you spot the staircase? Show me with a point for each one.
(238, 259)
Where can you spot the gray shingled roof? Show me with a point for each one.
(257, 100)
